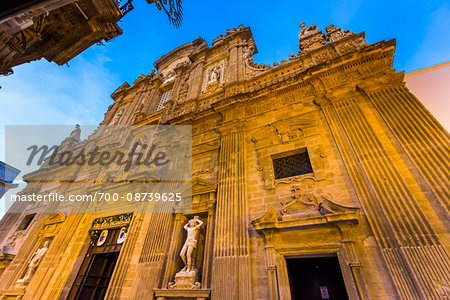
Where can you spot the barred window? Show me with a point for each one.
(290, 164)
(164, 98)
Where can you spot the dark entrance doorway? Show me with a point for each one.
(98, 276)
(316, 278)
(96, 270)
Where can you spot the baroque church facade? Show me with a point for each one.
(319, 177)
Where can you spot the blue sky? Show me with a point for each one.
(45, 93)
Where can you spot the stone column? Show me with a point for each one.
(348, 243)
(196, 79)
(231, 270)
(412, 251)
(124, 259)
(235, 67)
(271, 265)
(208, 243)
(153, 254)
(421, 136)
(151, 97)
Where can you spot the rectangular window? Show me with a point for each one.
(164, 98)
(26, 222)
(292, 164)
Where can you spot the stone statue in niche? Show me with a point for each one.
(34, 262)
(139, 112)
(185, 279)
(214, 76)
(116, 118)
(213, 79)
(192, 228)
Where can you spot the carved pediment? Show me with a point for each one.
(121, 88)
(203, 186)
(58, 217)
(52, 225)
(270, 218)
(199, 186)
(306, 210)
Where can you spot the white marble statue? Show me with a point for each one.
(214, 76)
(192, 228)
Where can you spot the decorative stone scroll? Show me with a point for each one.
(310, 38)
(221, 38)
(335, 34)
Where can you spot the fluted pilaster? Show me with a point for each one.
(231, 258)
(412, 250)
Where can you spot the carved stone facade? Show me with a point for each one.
(373, 193)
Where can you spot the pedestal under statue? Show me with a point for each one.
(186, 278)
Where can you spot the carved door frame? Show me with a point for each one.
(318, 251)
(344, 219)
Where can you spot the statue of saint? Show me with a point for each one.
(32, 265)
(214, 77)
(192, 228)
(75, 134)
(116, 118)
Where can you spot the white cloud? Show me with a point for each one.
(42, 93)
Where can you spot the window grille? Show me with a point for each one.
(164, 98)
(292, 165)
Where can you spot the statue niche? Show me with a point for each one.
(33, 264)
(186, 278)
(213, 79)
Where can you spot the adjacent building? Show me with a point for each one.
(318, 177)
(59, 30)
(7, 176)
(430, 85)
